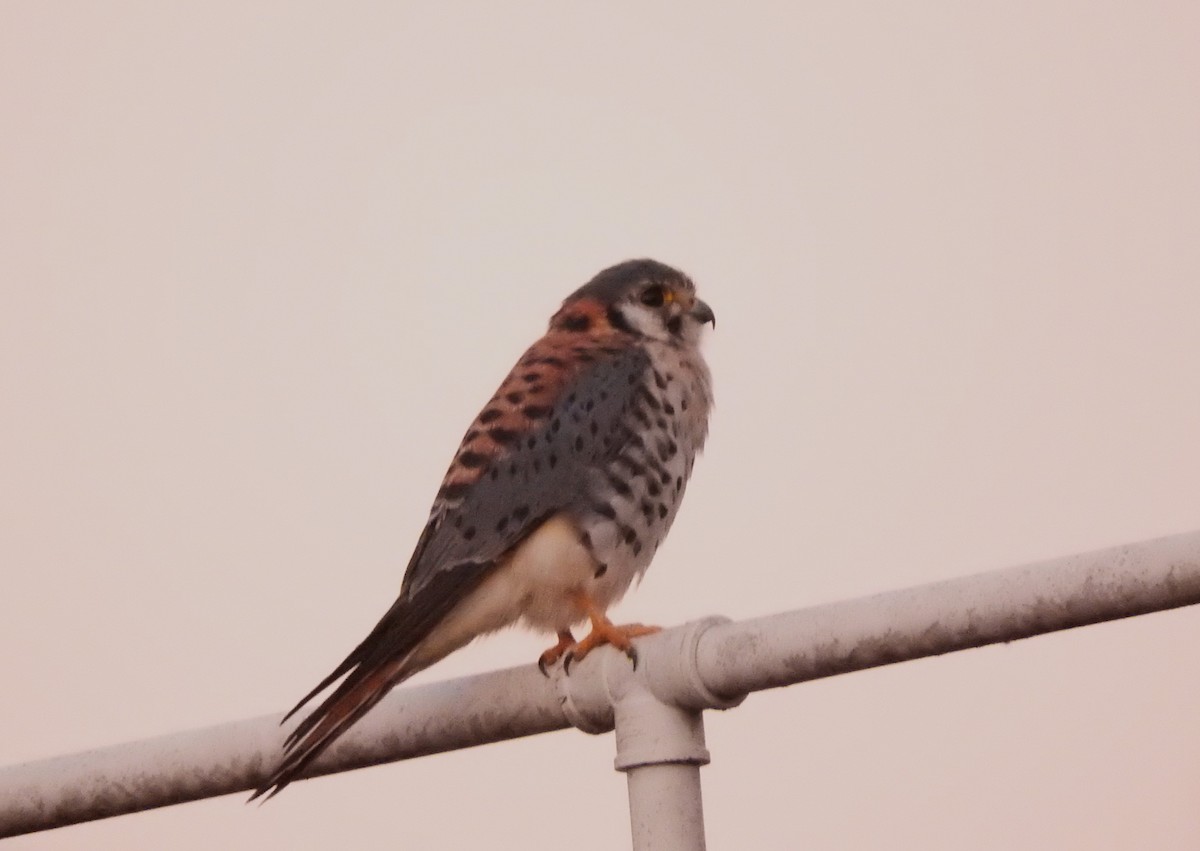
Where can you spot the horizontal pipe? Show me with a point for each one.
(725, 660)
(235, 757)
(942, 617)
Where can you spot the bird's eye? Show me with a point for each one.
(654, 296)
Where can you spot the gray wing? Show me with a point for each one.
(489, 504)
(540, 471)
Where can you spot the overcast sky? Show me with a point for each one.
(262, 262)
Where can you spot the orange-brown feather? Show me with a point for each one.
(528, 394)
(335, 719)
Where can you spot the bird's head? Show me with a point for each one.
(644, 298)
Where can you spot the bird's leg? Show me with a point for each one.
(565, 642)
(605, 632)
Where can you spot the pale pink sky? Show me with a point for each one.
(260, 263)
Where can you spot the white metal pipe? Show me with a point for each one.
(706, 664)
(665, 808)
(236, 757)
(660, 747)
(928, 620)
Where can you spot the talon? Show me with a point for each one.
(605, 632)
(567, 660)
(565, 642)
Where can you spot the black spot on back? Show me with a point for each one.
(577, 322)
(503, 436)
(472, 460)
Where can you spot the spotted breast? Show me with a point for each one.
(630, 503)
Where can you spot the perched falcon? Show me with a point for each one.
(560, 494)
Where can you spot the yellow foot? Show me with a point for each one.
(565, 642)
(605, 632)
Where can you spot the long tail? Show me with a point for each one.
(348, 702)
(384, 659)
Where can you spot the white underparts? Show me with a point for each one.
(538, 583)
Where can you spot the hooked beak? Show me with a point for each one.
(702, 313)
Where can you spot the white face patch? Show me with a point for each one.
(659, 323)
(646, 321)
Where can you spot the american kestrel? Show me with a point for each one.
(557, 499)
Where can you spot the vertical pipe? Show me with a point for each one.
(665, 809)
(661, 748)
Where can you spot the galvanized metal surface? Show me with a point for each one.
(235, 757)
(987, 608)
(661, 749)
(666, 811)
(706, 664)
